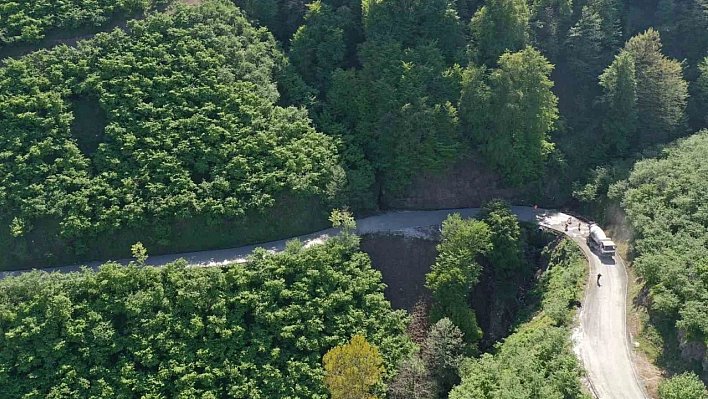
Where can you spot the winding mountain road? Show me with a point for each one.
(601, 340)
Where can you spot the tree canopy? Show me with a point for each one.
(500, 26)
(456, 270)
(664, 200)
(512, 111)
(234, 122)
(28, 21)
(253, 330)
(352, 369)
(684, 386)
(537, 360)
(187, 122)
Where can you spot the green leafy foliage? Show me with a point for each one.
(537, 360)
(352, 369)
(442, 352)
(456, 270)
(28, 21)
(549, 22)
(684, 386)
(664, 199)
(620, 99)
(510, 113)
(253, 330)
(415, 23)
(191, 130)
(318, 47)
(431, 373)
(661, 90)
(506, 255)
(702, 86)
(500, 26)
(396, 115)
(562, 283)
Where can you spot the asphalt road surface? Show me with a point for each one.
(601, 340)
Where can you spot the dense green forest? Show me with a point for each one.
(260, 329)
(237, 122)
(29, 21)
(358, 98)
(170, 126)
(255, 330)
(665, 202)
(536, 361)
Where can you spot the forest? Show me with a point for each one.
(245, 331)
(235, 122)
(359, 98)
(29, 21)
(174, 122)
(260, 329)
(664, 198)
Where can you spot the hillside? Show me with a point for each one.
(664, 199)
(167, 133)
(243, 331)
(176, 126)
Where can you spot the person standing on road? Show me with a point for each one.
(598, 279)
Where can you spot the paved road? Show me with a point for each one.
(601, 340)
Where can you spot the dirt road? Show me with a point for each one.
(601, 340)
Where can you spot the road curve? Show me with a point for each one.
(601, 340)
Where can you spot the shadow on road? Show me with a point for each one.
(607, 261)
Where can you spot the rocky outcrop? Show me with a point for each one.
(692, 350)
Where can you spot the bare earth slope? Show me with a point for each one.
(601, 340)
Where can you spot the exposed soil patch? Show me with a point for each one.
(403, 262)
(469, 182)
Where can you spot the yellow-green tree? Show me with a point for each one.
(352, 369)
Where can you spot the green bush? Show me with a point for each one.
(562, 283)
(192, 131)
(536, 361)
(664, 199)
(455, 272)
(254, 330)
(684, 386)
(28, 21)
